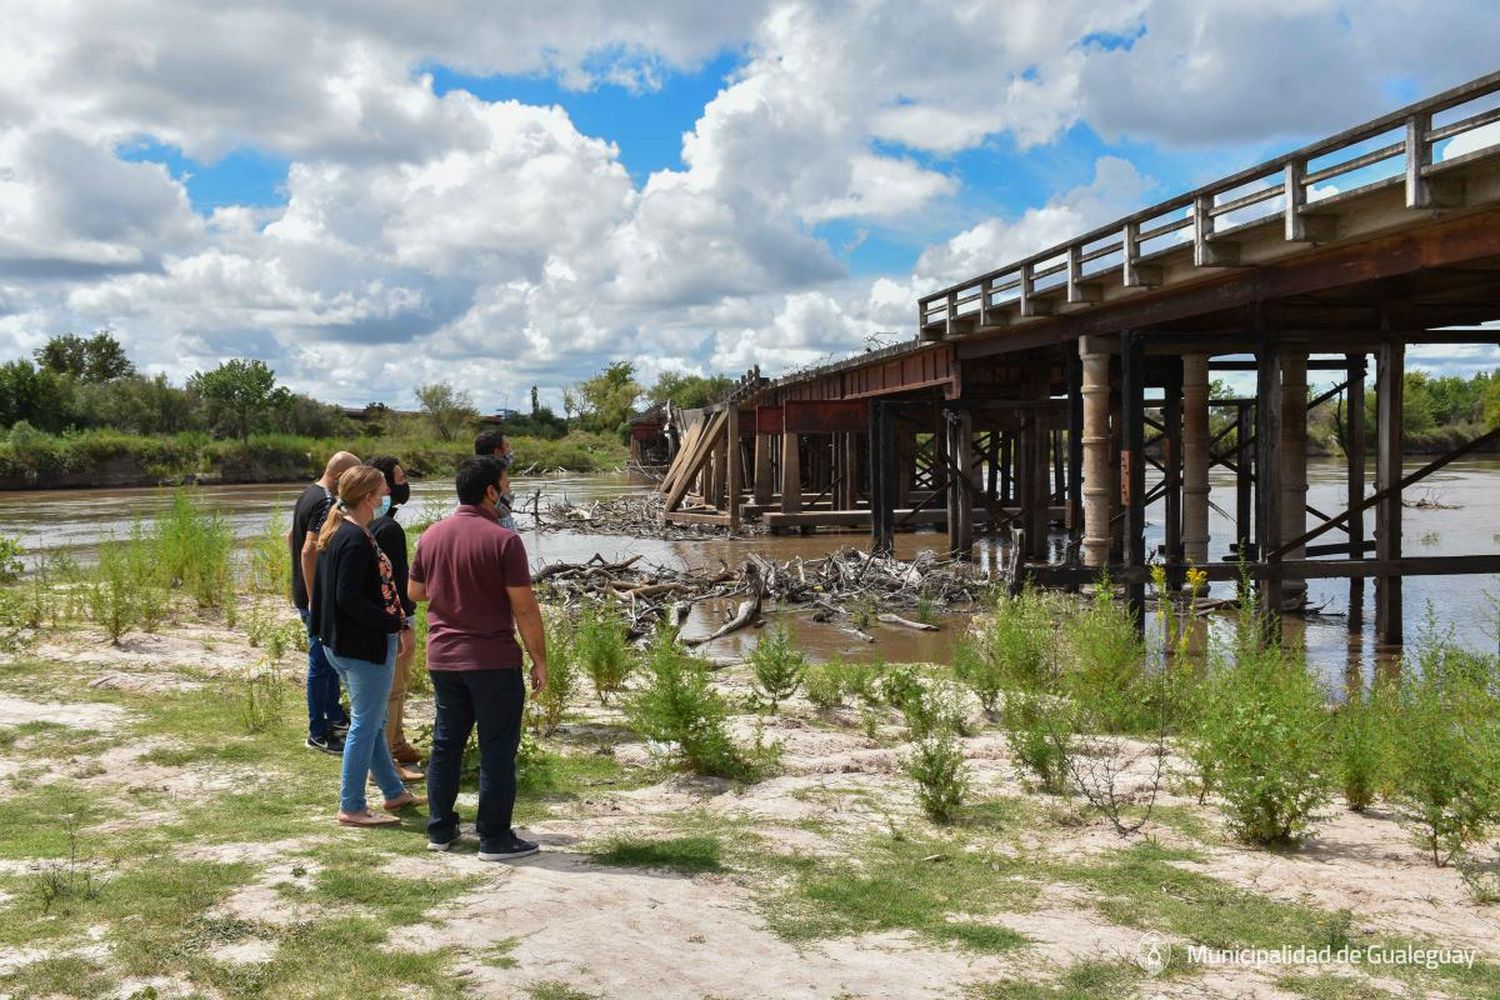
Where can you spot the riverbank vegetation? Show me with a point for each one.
(1007, 825)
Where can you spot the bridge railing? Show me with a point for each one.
(1410, 146)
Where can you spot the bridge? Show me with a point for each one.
(1061, 395)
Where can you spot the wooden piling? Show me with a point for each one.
(1354, 455)
(1390, 403)
(1195, 458)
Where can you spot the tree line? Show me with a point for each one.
(77, 383)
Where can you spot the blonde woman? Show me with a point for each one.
(357, 614)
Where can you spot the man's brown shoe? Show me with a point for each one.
(407, 774)
(405, 753)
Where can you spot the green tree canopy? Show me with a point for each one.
(240, 392)
(689, 391)
(605, 401)
(95, 359)
(449, 410)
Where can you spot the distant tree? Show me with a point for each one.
(97, 359)
(39, 396)
(607, 398)
(240, 392)
(449, 410)
(689, 391)
(536, 402)
(144, 405)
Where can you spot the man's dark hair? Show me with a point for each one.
(488, 442)
(475, 475)
(386, 464)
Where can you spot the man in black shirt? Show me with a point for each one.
(391, 537)
(325, 716)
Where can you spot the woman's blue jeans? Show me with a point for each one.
(365, 749)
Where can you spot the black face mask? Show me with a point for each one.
(400, 494)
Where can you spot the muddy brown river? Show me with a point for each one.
(1468, 607)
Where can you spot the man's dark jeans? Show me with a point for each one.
(495, 700)
(323, 708)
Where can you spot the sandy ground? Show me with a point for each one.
(628, 932)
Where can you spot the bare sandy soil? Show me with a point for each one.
(633, 932)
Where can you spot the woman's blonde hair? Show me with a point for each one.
(354, 485)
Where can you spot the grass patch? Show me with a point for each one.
(937, 889)
(1087, 980)
(687, 855)
(553, 989)
(1331, 986)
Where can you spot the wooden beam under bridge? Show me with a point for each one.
(1305, 569)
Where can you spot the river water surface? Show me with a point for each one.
(77, 520)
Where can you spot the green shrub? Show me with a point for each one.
(1358, 743)
(1014, 647)
(603, 647)
(899, 685)
(11, 563)
(862, 680)
(1108, 666)
(270, 559)
(679, 707)
(823, 684)
(111, 597)
(1036, 732)
(978, 670)
(1265, 730)
(936, 764)
(547, 708)
(937, 705)
(195, 551)
(261, 698)
(1445, 747)
(778, 665)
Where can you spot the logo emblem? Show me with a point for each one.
(1153, 953)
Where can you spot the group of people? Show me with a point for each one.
(358, 594)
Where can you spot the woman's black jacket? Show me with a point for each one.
(348, 610)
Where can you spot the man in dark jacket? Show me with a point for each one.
(391, 537)
(474, 576)
(326, 719)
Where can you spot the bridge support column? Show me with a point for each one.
(736, 465)
(1354, 454)
(791, 472)
(1268, 536)
(1294, 465)
(960, 500)
(1195, 458)
(763, 486)
(1097, 485)
(1171, 453)
(1133, 465)
(1390, 403)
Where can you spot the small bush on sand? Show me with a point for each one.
(261, 698)
(899, 685)
(1108, 664)
(271, 559)
(823, 684)
(778, 665)
(11, 563)
(1264, 729)
(111, 598)
(1445, 747)
(936, 764)
(603, 647)
(547, 708)
(1358, 745)
(679, 707)
(1036, 733)
(938, 705)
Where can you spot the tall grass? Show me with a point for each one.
(603, 647)
(270, 562)
(548, 707)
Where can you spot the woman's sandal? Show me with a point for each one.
(366, 818)
(404, 801)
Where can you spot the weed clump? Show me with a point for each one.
(1358, 745)
(78, 876)
(547, 708)
(261, 698)
(1263, 734)
(603, 648)
(1445, 747)
(778, 665)
(936, 764)
(679, 708)
(824, 684)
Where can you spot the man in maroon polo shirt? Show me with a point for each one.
(475, 579)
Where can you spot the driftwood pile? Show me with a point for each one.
(636, 515)
(849, 588)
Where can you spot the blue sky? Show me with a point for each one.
(847, 158)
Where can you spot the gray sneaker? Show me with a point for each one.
(509, 850)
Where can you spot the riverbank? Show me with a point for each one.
(102, 458)
(167, 838)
